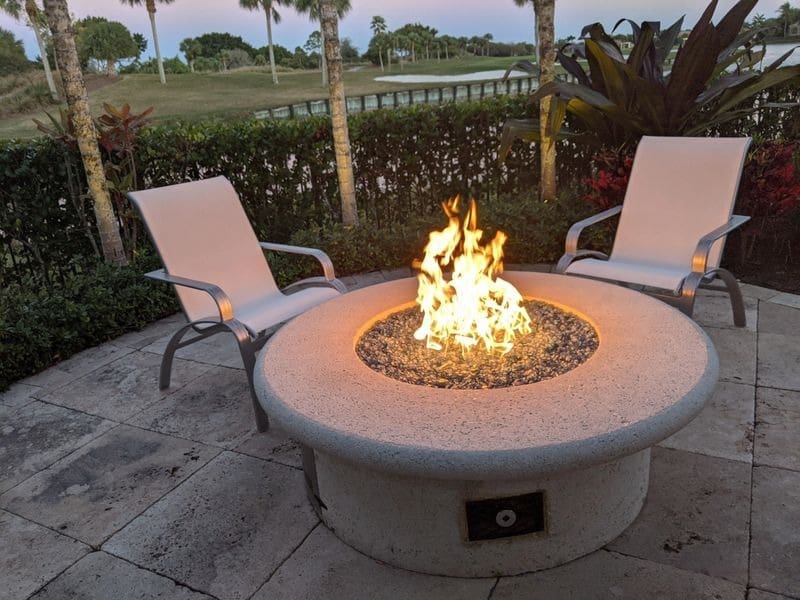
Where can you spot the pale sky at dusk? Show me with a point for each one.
(502, 18)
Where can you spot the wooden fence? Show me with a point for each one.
(356, 104)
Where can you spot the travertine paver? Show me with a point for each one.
(696, 516)
(779, 346)
(102, 576)
(214, 408)
(124, 387)
(755, 594)
(786, 299)
(34, 436)
(607, 575)
(775, 547)
(219, 349)
(779, 360)
(233, 522)
(97, 489)
(724, 428)
(273, 445)
(19, 394)
(324, 567)
(77, 366)
(715, 311)
(31, 555)
(152, 333)
(737, 352)
(777, 441)
(225, 530)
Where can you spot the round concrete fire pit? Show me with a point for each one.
(485, 482)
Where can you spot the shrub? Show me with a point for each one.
(40, 326)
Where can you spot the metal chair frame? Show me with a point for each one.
(249, 342)
(700, 275)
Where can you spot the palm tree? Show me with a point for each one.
(312, 7)
(57, 13)
(378, 27)
(544, 27)
(151, 11)
(272, 15)
(329, 20)
(14, 8)
(787, 15)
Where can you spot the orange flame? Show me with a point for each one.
(475, 306)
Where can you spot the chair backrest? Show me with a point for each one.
(201, 231)
(680, 189)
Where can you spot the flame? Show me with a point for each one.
(475, 306)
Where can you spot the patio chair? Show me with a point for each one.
(219, 272)
(673, 222)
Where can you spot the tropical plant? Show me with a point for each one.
(12, 55)
(105, 41)
(379, 28)
(713, 80)
(80, 117)
(192, 50)
(329, 20)
(151, 12)
(313, 9)
(272, 15)
(14, 8)
(544, 36)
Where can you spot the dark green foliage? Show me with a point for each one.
(209, 45)
(103, 40)
(12, 54)
(40, 326)
(712, 80)
(172, 66)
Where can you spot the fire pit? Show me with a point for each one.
(482, 482)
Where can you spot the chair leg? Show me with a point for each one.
(169, 354)
(735, 292)
(248, 348)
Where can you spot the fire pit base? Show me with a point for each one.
(431, 525)
(431, 479)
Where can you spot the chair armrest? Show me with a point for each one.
(220, 298)
(700, 257)
(324, 259)
(571, 245)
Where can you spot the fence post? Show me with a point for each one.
(363, 104)
(291, 111)
(395, 99)
(380, 100)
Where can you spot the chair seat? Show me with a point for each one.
(666, 278)
(281, 307)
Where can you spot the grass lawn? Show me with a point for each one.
(239, 93)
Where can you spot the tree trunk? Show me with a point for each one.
(78, 103)
(151, 11)
(389, 58)
(33, 16)
(341, 135)
(380, 57)
(323, 62)
(545, 20)
(268, 11)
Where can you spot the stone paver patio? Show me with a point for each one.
(110, 488)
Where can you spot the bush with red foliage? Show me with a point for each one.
(607, 187)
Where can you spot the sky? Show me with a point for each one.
(502, 18)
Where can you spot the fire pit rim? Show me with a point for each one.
(673, 334)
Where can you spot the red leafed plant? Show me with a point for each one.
(610, 181)
(771, 180)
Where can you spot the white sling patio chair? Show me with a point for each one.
(219, 272)
(673, 222)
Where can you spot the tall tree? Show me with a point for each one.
(105, 41)
(787, 15)
(57, 13)
(329, 19)
(544, 28)
(272, 15)
(151, 12)
(312, 8)
(378, 27)
(15, 8)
